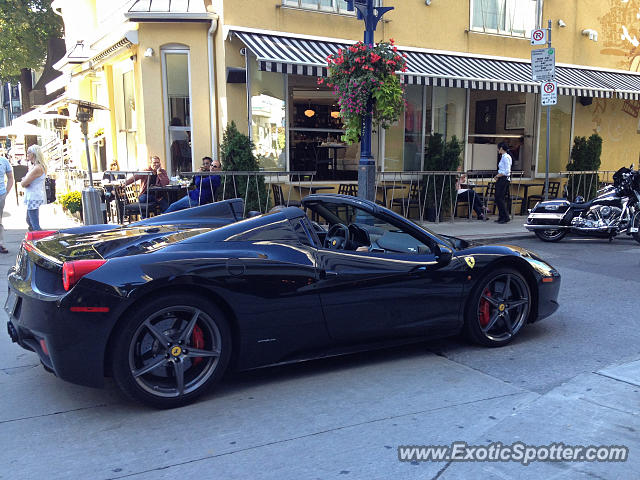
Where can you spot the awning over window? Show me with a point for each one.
(276, 52)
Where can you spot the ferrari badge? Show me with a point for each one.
(470, 261)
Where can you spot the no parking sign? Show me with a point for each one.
(549, 93)
(539, 36)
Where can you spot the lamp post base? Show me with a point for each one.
(367, 181)
(92, 206)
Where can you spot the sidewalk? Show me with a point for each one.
(478, 230)
(15, 224)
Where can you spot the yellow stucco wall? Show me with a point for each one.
(151, 121)
(616, 121)
(444, 25)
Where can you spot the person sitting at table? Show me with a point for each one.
(204, 190)
(158, 178)
(109, 177)
(466, 194)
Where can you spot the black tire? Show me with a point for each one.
(159, 345)
(636, 224)
(551, 235)
(494, 314)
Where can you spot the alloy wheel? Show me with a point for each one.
(503, 307)
(174, 351)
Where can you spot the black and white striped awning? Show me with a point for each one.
(303, 56)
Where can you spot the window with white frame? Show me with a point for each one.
(505, 17)
(335, 6)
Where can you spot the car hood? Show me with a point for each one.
(119, 242)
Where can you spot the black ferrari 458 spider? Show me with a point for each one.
(168, 304)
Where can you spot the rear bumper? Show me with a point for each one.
(70, 344)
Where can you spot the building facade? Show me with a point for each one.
(174, 74)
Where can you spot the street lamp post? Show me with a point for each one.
(367, 168)
(91, 198)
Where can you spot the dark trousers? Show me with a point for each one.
(502, 190)
(473, 199)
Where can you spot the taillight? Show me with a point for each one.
(38, 234)
(74, 271)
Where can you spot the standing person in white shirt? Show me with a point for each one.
(5, 170)
(33, 184)
(503, 179)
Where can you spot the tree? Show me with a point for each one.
(25, 27)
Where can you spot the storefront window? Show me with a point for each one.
(268, 113)
(403, 141)
(315, 132)
(178, 104)
(560, 144)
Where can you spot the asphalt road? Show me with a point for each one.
(572, 378)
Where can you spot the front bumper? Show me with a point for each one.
(548, 297)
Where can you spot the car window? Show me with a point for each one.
(367, 230)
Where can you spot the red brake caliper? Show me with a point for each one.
(484, 316)
(197, 341)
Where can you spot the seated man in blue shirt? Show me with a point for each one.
(205, 187)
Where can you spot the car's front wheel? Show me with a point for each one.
(171, 351)
(498, 308)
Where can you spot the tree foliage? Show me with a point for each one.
(25, 27)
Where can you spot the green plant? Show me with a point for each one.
(441, 156)
(585, 157)
(364, 78)
(237, 155)
(71, 201)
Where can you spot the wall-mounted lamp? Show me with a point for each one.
(561, 23)
(149, 52)
(427, 2)
(591, 33)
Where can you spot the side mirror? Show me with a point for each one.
(443, 255)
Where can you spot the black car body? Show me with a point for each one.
(190, 293)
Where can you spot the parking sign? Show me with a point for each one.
(539, 36)
(549, 93)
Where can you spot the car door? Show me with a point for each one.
(368, 295)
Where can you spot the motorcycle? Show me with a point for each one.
(614, 211)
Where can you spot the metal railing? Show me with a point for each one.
(434, 195)
(586, 183)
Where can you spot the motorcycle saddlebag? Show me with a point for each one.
(550, 212)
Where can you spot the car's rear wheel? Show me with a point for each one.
(498, 308)
(551, 235)
(171, 351)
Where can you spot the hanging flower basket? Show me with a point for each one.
(364, 79)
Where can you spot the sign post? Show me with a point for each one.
(543, 69)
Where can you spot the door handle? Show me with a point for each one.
(324, 274)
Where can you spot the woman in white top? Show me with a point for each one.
(33, 184)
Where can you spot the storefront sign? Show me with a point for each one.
(549, 93)
(539, 36)
(543, 64)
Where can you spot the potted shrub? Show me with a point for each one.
(237, 156)
(585, 156)
(441, 156)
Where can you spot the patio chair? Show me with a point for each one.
(412, 200)
(279, 198)
(554, 189)
(348, 189)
